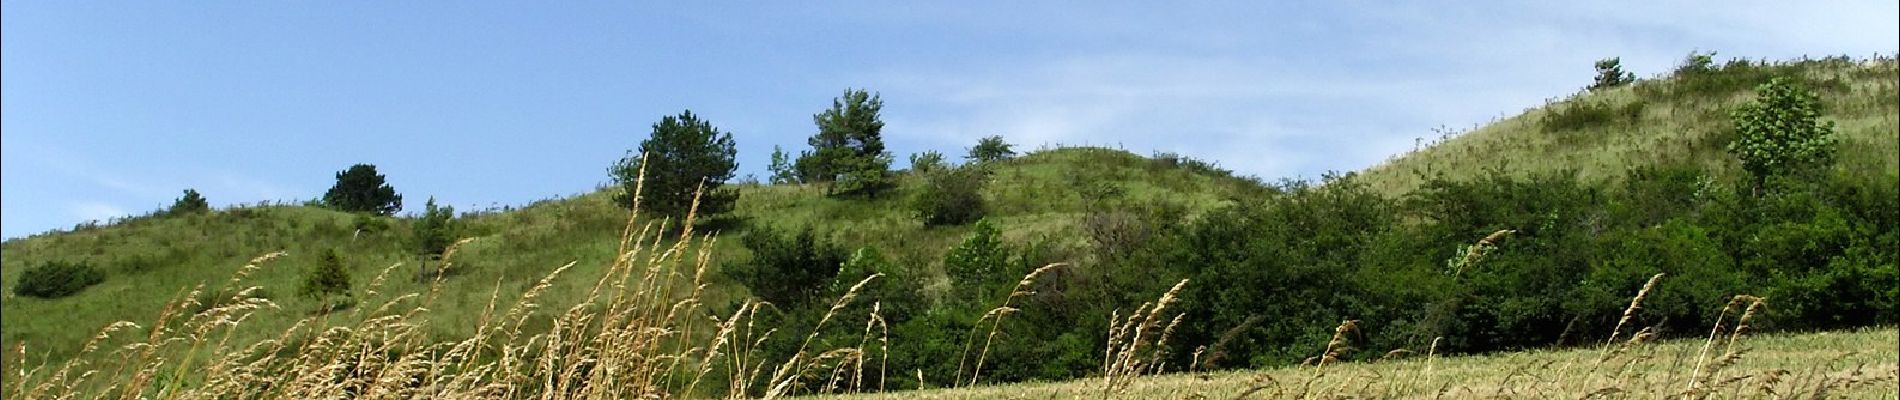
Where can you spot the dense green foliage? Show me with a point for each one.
(927, 162)
(361, 189)
(435, 230)
(686, 159)
(189, 203)
(787, 269)
(782, 169)
(56, 279)
(848, 150)
(327, 281)
(1781, 132)
(951, 197)
(1610, 74)
(990, 149)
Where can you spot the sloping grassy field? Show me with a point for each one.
(1040, 197)
(1600, 135)
(151, 260)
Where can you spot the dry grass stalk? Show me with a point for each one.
(995, 315)
(1635, 304)
(1126, 341)
(788, 373)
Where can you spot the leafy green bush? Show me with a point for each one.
(787, 269)
(951, 197)
(1781, 133)
(56, 279)
(990, 149)
(927, 162)
(979, 263)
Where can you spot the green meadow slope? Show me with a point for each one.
(1043, 198)
(151, 260)
(1680, 120)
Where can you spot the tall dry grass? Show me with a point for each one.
(634, 335)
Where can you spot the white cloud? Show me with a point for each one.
(1261, 106)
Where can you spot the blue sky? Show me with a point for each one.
(110, 109)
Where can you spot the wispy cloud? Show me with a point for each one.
(1265, 100)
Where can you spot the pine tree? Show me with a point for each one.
(361, 189)
(190, 203)
(435, 230)
(328, 279)
(848, 150)
(681, 154)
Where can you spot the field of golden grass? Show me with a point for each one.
(1852, 365)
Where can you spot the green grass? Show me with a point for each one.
(1602, 134)
(150, 260)
(1657, 370)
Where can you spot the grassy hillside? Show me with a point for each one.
(1268, 264)
(150, 260)
(1682, 119)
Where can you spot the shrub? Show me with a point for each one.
(990, 149)
(979, 263)
(927, 162)
(1578, 114)
(787, 269)
(1696, 63)
(951, 197)
(326, 280)
(56, 279)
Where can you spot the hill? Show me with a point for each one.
(1682, 119)
(150, 260)
(1438, 246)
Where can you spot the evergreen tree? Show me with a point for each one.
(329, 278)
(190, 203)
(848, 150)
(1610, 74)
(436, 230)
(361, 189)
(682, 154)
(783, 171)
